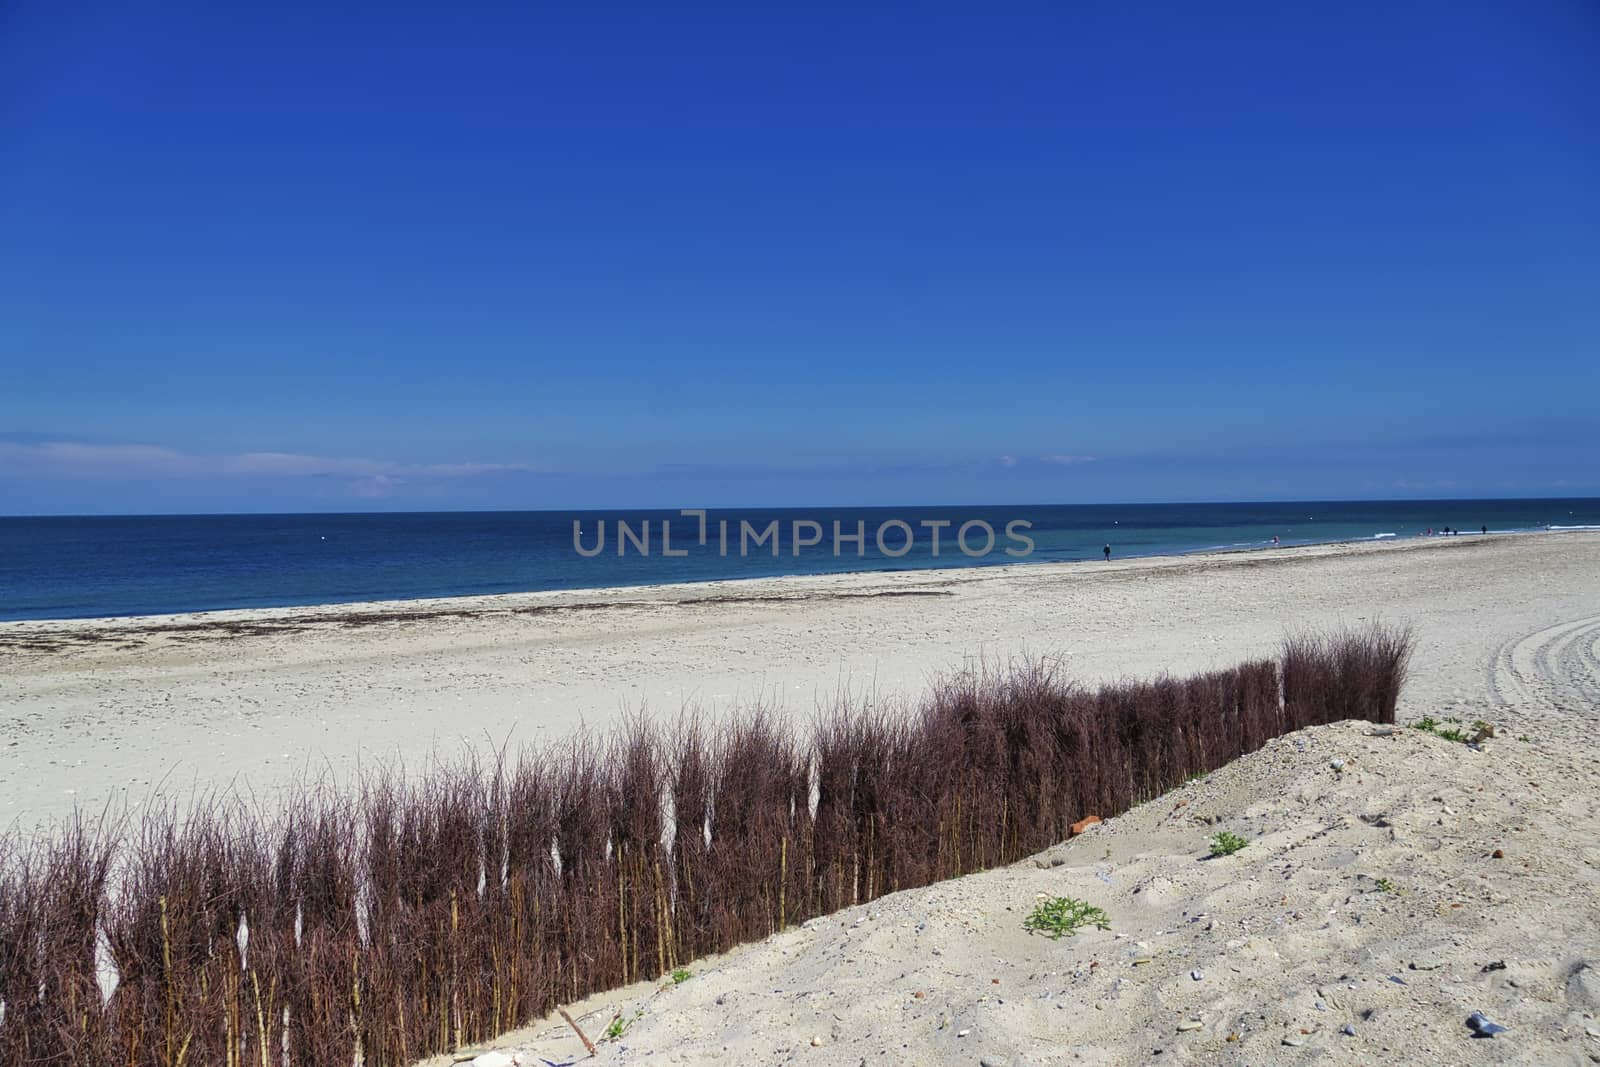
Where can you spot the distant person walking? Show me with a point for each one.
(1486, 530)
(1107, 551)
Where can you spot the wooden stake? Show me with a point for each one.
(581, 1035)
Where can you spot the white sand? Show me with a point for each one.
(102, 711)
(1508, 628)
(1369, 896)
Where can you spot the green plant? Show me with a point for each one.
(618, 1027)
(680, 976)
(1386, 886)
(1226, 843)
(1064, 915)
(1430, 725)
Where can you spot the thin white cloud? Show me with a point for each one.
(379, 485)
(1066, 461)
(1008, 461)
(1408, 484)
(73, 459)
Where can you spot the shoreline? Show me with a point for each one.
(131, 710)
(483, 604)
(974, 565)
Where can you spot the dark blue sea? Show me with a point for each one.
(76, 567)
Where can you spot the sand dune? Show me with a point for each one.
(1394, 883)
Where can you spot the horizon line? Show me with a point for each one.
(783, 507)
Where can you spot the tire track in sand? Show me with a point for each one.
(1555, 670)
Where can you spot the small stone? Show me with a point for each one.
(816, 1042)
(1197, 975)
(963, 1033)
(1189, 1024)
(1293, 1042)
(1498, 854)
(1429, 964)
(1347, 1030)
(1480, 1025)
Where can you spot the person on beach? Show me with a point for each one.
(1107, 551)
(1486, 531)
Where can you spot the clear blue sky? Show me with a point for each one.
(345, 256)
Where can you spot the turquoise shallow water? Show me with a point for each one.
(72, 567)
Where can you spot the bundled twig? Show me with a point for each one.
(419, 916)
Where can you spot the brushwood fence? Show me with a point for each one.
(416, 916)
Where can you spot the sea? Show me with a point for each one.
(96, 566)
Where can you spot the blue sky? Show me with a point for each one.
(346, 256)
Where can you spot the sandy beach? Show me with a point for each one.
(1394, 881)
(100, 712)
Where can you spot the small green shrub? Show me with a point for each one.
(680, 976)
(620, 1023)
(1064, 915)
(1384, 885)
(1430, 725)
(1226, 843)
